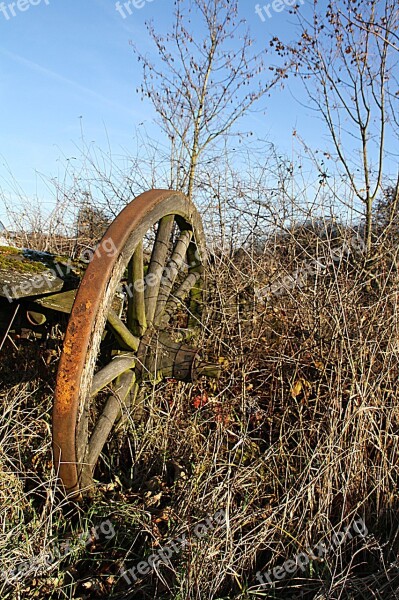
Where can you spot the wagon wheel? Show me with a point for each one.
(121, 326)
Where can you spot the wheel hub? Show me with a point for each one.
(159, 357)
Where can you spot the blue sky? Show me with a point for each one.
(67, 66)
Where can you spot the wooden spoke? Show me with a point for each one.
(179, 296)
(184, 289)
(157, 264)
(116, 367)
(172, 269)
(136, 320)
(196, 292)
(133, 404)
(112, 410)
(124, 337)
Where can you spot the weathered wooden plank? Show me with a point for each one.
(61, 302)
(26, 273)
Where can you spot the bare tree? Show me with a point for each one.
(387, 214)
(346, 58)
(202, 84)
(91, 222)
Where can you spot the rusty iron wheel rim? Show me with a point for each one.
(91, 309)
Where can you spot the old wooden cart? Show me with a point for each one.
(129, 309)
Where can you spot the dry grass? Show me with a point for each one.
(297, 439)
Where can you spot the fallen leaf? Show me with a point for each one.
(200, 400)
(296, 388)
(301, 385)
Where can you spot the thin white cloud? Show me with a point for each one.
(67, 82)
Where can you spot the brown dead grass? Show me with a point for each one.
(297, 439)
